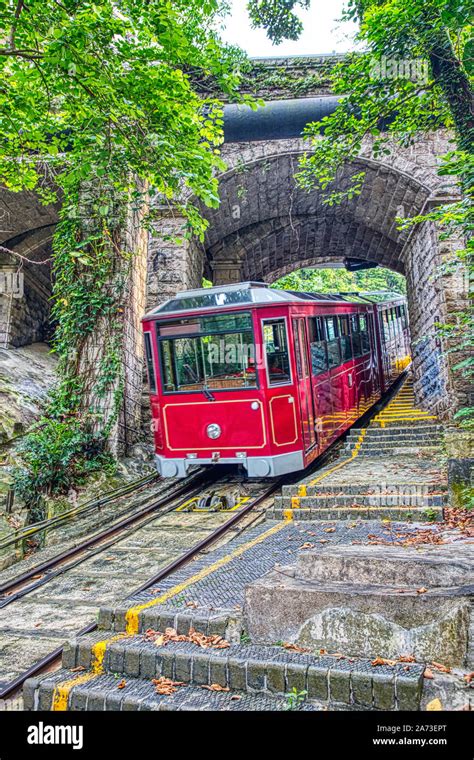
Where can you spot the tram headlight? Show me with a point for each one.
(213, 431)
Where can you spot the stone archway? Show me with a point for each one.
(267, 226)
(26, 228)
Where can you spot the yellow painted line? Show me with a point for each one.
(195, 499)
(341, 464)
(62, 690)
(98, 653)
(131, 616)
(186, 503)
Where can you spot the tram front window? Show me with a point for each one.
(213, 361)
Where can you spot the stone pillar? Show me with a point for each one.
(226, 272)
(130, 269)
(174, 262)
(460, 452)
(434, 296)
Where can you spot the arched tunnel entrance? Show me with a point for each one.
(267, 226)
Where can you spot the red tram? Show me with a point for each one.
(266, 378)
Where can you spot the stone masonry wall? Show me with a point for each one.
(432, 297)
(24, 320)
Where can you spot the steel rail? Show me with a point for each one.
(99, 537)
(187, 556)
(183, 559)
(29, 530)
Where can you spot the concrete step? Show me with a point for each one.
(362, 500)
(388, 434)
(396, 513)
(398, 451)
(425, 566)
(252, 672)
(402, 490)
(103, 693)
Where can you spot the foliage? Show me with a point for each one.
(414, 76)
(295, 698)
(340, 280)
(102, 106)
(277, 17)
(57, 457)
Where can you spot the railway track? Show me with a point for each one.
(59, 574)
(169, 532)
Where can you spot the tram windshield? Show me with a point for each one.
(208, 353)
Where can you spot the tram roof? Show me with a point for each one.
(248, 293)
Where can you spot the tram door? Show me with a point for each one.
(304, 383)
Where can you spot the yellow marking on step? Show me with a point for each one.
(341, 464)
(288, 515)
(98, 652)
(62, 691)
(295, 502)
(131, 616)
(302, 491)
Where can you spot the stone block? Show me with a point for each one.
(360, 620)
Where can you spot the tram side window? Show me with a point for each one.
(356, 336)
(346, 347)
(386, 331)
(149, 363)
(317, 342)
(364, 334)
(334, 349)
(276, 351)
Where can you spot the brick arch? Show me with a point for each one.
(267, 226)
(265, 216)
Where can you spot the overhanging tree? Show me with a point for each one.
(414, 76)
(101, 104)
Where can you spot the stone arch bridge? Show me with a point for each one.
(266, 226)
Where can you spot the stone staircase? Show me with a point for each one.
(121, 675)
(389, 470)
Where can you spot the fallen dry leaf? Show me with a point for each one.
(235, 697)
(294, 647)
(307, 545)
(121, 684)
(469, 677)
(427, 673)
(435, 704)
(329, 530)
(421, 590)
(166, 685)
(441, 667)
(215, 687)
(383, 661)
(79, 669)
(406, 658)
(194, 637)
(193, 605)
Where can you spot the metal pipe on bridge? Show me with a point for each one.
(276, 120)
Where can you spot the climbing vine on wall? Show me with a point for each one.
(102, 110)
